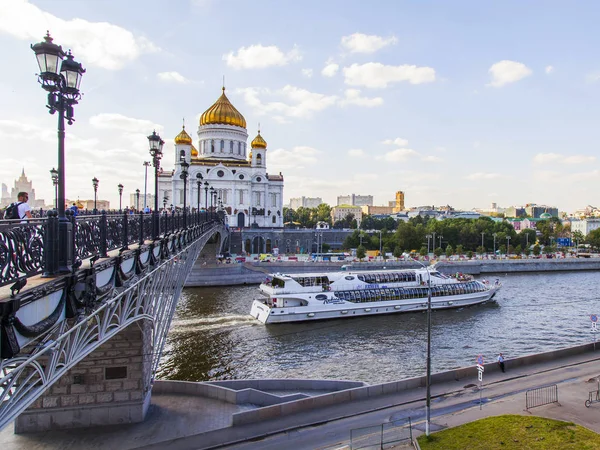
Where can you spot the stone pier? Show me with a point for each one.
(112, 385)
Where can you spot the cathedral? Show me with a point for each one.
(243, 189)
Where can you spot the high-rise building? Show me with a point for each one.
(305, 202)
(399, 202)
(355, 200)
(22, 184)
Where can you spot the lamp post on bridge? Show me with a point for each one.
(156, 146)
(212, 192)
(137, 203)
(120, 188)
(165, 200)
(61, 79)
(54, 176)
(199, 185)
(95, 182)
(206, 201)
(146, 165)
(184, 177)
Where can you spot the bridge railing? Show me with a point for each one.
(23, 246)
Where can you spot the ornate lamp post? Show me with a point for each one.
(206, 200)
(54, 176)
(146, 165)
(95, 182)
(137, 197)
(120, 187)
(184, 176)
(165, 199)
(156, 146)
(212, 191)
(199, 185)
(61, 79)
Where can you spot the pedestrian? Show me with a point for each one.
(75, 209)
(501, 362)
(22, 207)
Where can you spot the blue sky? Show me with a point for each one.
(460, 103)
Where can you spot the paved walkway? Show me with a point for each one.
(179, 422)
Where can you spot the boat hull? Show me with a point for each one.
(270, 315)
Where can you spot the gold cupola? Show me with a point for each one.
(183, 138)
(258, 142)
(194, 152)
(223, 112)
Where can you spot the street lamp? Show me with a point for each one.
(428, 237)
(214, 201)
(428, 375)
(199, 185)
(137, 203)
(184, 176)
(156, 146)
(495, 234)
(146, 165)
(54, 176)
(165, 200)
(212, 191)
(205, 200)
(95, 182)
(440, 238)
(482, 247)
(507, 245)
(61, 79)
(120, 187)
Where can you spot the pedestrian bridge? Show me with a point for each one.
(81, 349)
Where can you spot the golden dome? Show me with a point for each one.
(183, 137)
(258, 142)
(194, 152)
(223, 112)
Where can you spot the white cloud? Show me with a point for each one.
(433, 159)
(308, 73)
(296, 158)
(377, 75)
(298, 102)
(549, 69)
(356, 153)
(363, 43)
(505, 72)
(330, 69)
(353, 97)
(172, 77)
(107, 121)
(592, 77)
(483, 176)
(259, 56)
(398, 155)
(440, 149)
(398, 141)
(100, 44)
(546, 158)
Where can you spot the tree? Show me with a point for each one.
(502, 249)
(325, 247)
(518, 249)
(449, 251)
(423, 251)
(480, 250)
(460, 250)
(361, 252)
(397, 252)
(527, 251)
(469, 254)
(323, 213)
(438, 252)
(537, 249)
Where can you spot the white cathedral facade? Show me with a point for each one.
(247, 194)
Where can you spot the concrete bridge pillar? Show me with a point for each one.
(112, 385)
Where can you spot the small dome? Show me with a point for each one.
(258, 142)
(545, 216)
(194, 152)
(223, 112)
(183, 138)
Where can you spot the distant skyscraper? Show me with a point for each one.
(305, 202)
(355, 200)
(22, 184)
(399, 202)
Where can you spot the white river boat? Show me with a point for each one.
(317, 296)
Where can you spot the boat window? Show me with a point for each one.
(377, 278)
(361, 277)
(277, 282)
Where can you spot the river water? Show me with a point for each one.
(212, 336)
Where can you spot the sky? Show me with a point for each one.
(462, 103)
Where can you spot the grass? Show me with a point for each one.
(513, 432)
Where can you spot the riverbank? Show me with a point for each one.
(209, 274)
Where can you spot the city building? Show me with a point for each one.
(340, 212)
(305, 202)
(355, 200)
(244, 190)
(399, 206)
(514, 211)
(371, 210)
(149, 201)
(536, 211)
(22, 184)
(585, 226)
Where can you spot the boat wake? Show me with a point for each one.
(210, 323)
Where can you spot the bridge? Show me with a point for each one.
(81, 348)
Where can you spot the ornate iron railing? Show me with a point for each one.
(23, 245)
(98, 315)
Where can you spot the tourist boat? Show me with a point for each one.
(310, 296)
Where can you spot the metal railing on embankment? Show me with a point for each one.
(541, 396)
(386, 435)
(27, 248)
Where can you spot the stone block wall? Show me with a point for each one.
(112, 385)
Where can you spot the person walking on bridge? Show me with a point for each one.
(501, 362)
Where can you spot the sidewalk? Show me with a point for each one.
(180, 422)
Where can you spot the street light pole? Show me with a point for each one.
(507, 245)
(205, 201)
(184, 177)
(137, 203)
(61, 78)
(146, 165)
(482, 247)
(495, 234)
(428, 238)
(199, 184)
(120, 187)
(95, 182)
(212, 191)
(54, 176)
(156, 146)
(428, 375)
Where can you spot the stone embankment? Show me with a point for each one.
(207, 273)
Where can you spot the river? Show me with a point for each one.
(212, 337)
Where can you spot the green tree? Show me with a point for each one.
(459, 249)
(518, 249)
(397, 252)
(502, 249)
(537, 249)
(423, 251)
(361, 252)
(438, 252)
(323, 213)
(527, 251)
(449, 251)
(469, 254)
(480, 250)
